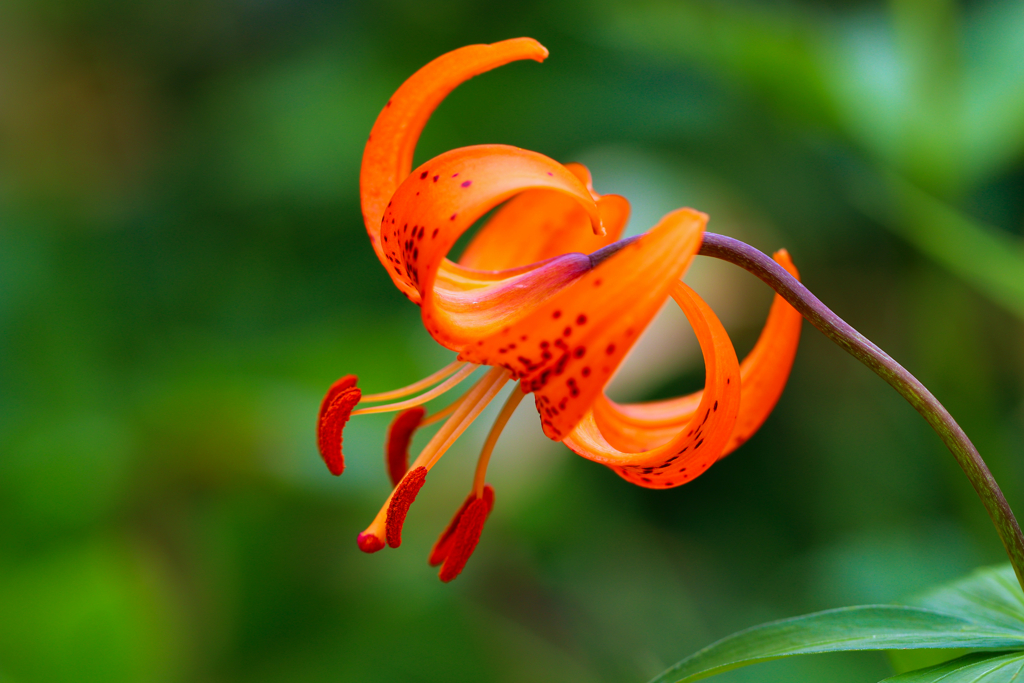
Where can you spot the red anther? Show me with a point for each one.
(335, 410)
(369, 543)
(444, 542)
(402, 498)
(399, 437)
(346, 382)
(467, 535)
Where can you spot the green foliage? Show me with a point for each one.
(984, 611)
(980, 667)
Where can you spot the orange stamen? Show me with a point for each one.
(443, 413)
(399, 436)
(467, 534)
(335, 410)
(511, 403)
(469, 408)
(422, 398)
(448, 539)
(430, 380)
(402, 498)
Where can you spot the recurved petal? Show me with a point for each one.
(699, 442)
(442, 199)
(540, 224)
(567, 348)
(388, 155)
(763, 375)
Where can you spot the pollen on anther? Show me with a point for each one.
(335, 410)
(398, 508)
(399, 437)
(467, 534)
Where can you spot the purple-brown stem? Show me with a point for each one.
(857, 345)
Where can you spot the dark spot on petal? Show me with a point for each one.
(581, 319)
(423, 175)
(556, 315)
(467, 183)
(610, 350)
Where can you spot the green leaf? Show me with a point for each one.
(977, 667)
(987, 596)
(872, 627)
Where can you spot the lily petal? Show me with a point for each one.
(699, 443)
(440, 201)
(763, 376)
(567, 348)
(541, 224)
(387, 157)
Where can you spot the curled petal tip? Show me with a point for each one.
(369, 543)
(535, 49)
(402, 498)
(335, 411)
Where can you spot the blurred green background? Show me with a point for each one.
(184, 271)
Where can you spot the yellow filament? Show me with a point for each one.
(416, 386)
(422, 398)
(511, 403)
(467, 409)
(441, 414)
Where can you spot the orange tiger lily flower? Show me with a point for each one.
(546, 294)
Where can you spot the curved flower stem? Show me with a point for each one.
(857, 345)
